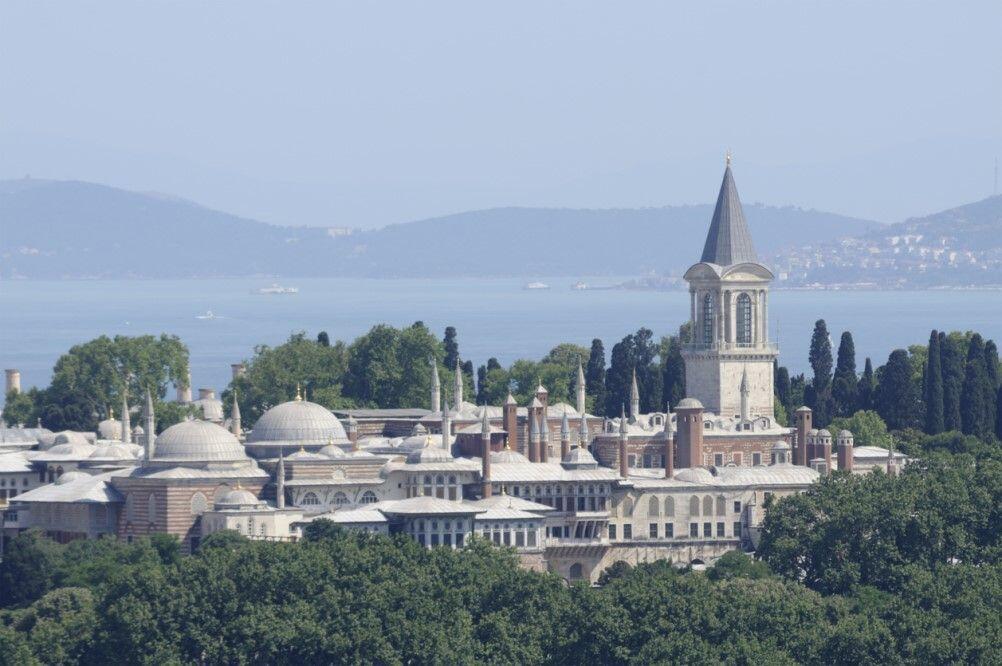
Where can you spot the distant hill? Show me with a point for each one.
(71, 229)
(958, 247)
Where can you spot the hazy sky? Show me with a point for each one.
(363, 114)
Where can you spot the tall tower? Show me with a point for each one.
(457, 391)
(580, 390)
(729, 292)
(436, 387)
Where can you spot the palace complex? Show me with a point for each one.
(572, 493)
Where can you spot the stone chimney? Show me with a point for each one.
(803, 428)
(184, 390)
(845, 446)
(351, 430)
(13, 380)
(689, 419)
(238, 369)
(206, 394)
(544, 437)
(565, 437)
(533, 437)
(824, 448)
(485, 464)
(510, 421)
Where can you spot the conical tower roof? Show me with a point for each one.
(728, 241)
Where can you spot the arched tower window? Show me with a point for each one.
(653, 507)
(708, 312)
(669, 506)
(744, 319)
(340, 499)
(694, 506)
(311, 499)
(707, 506)
(369, 497)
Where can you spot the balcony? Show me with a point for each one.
(747, 347)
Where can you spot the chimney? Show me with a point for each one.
(845, 457)
(544, 437)
(800, 454)
(565, 437)
(13, 380)
(238, 369)
(206, 394)
(689, 418)
(184, 390)
(510, 421)
(824, 448)
(351, 429)
(485, 464)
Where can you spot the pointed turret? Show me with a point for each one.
(436, 387)
(533, 438)
(149, 428)
(446, 426)
(126, 425)
(280, 480)
(565, 437)
(544, 436)
(580, 389)
(634, 398)
(728, 241)
(485, 425)
(624, 465)
(583, 432)
(457, 390)
(235, 426)
(745, 394)
(485, 456)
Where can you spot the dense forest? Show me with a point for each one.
(858, 570)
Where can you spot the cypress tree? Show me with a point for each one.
(482, 385)
(866, 389)
(897, 397)
(952, 369)
(595, 375)
(844, 380)
(619, 378)
(782, 388)
(998, 413)
(821, 363)
(323, 339)
(467, 367)
(451, 348)
(932, 387)
(975, 406)
(673, 377)
(992, 368)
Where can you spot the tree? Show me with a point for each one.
(389, 368)
(323, 339)
(673, 390)
(736, 564)
(22, 407)
(977, 395)
(821, 362)
(844, 379)
(635, 352)
(482, 385)
(451, 348)
(992, 368)
(867, 429)
(618, 379)
(866, 389)
(932, 387)
(952, 368)
(27, 568)
(595, 375)
(782, 388)
(897, 397)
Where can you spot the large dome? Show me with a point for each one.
(197, 441)
(298, 422)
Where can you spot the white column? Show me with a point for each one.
(765, 316)
(692, 308)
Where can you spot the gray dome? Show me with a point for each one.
(824, 433)
(429, 454)
(72, 475)
(332, 451)
(237, 498)
(508, 456)
(780, 445)
(844, 434)
(579, 457)
(197, 441)
(695, 475)
(689, 403)
(298, 422)
(110, 429)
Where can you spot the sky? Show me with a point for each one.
(366, 114)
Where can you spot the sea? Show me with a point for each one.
(222, 320)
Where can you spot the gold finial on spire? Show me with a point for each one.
(727, 158)
(299, 394)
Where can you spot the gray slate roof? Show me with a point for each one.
(728, 241)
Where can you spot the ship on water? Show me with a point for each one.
(278, 289)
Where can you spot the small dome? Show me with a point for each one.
(113, 451)
(138, 430)
(300, 422)
(110, 429)
(694, 475)
(197, 441)
(803, 408)
(579, 457)
(73, 475)
(689, 403)
(824, 433)
(66, 446)
(780, 445)
(306, 455)
(508, 456)
(332, 451)
(237, 498)
(418, 430)
(814, 432)
(844, 434)
(429, 454)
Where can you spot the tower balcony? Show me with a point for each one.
(736, 347)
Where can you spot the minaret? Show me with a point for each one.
(533, 439)
(457, 395)
(624, 466)
(583, 432)
(565, 437)
(436, 388)
(580, 390)
(149, 427)
(446, 426)
(280, 480)
(544, 437)
(485, 464)
(126, 425)
(634, 398)
(235, 416)
(745, 393)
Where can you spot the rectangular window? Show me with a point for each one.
(507, 537)
(532, 538)
(737, 529)
(707, 529)
(647, 461)
(756, 459)
(519, 539)
(447, 539)
(737, 507)
(581, 504)
(718, 459)
(631, 461)
(612, 532)
(452, 492)
(669, 530)
(653, 530)
(420, 539)
(694, 529)
(496, 537)
(720, 530)
(434, 539)
(560, 504)
(627, 531)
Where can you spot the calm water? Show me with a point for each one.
(494, 317)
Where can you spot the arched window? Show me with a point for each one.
(669, 506)
(577, 571)
(707, 506)
(311, 499)
(708, 314)
(721, 505)
(653, 507)
(340, 499)
(130, 507)
(744, 319)
(369, 497)
(628, 507)
(694, 506)
(198, 504)
(59, 471)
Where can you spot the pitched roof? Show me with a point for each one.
(728, 241)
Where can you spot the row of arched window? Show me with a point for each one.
(706, 507)
(339, 500)
(743, 314)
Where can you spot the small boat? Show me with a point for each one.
(537, 285)
(208, 315)
(278, 289)
(579, 286)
